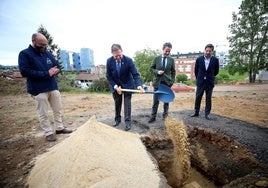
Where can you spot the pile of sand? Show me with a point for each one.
(97, 155)
(182, 163)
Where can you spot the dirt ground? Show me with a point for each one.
(21, 138)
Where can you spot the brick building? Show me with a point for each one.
(184, 64)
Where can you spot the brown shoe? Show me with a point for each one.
(51, 138)
(64, 131)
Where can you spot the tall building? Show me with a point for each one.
(76, 61)
(222, 54)
(223, 58)
(86, 58)
(64, 55)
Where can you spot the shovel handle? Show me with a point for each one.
(137, 91)
(131, 90)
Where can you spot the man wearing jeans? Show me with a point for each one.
(39, 66)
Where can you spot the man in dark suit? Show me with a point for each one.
(206, 68)
(163, 69)
(121, 72)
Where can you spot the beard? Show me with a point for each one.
(40, 49)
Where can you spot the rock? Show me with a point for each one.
(193, 184)
(262, 183)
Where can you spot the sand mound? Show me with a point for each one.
(97, 155)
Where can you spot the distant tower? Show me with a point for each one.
(86, 58)
(64, 55)
(76, 61)
(222, 54)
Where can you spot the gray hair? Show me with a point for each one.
(116, 47)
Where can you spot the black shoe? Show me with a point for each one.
(207, 117)
(116, 123)
(51, 138)
(165, 116)
(151, 120)
(194, 115)
(128, 127)
(64, 131)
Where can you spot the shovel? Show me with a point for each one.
(165, 94)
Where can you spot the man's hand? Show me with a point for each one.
(118, 90)
(160, 72)
(141, 89)
(53, 71)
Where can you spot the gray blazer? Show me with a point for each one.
(169, 72)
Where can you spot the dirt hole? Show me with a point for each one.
(221, 160)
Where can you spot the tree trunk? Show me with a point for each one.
(250, 76)
(253, 78)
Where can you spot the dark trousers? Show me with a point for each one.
(198, 98)
(118, 106)
(155, 107)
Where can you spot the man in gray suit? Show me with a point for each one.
(163, 69)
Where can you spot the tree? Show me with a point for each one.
(181, 78)
(248, 40)
(53, 48)
(143, 59)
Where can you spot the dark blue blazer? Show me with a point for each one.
(35, 66)
(128, 74)
(201, 73)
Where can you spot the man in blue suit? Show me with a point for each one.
(206, 69)
(121, 72)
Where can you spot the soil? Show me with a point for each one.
(239, 112)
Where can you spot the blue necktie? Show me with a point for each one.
(164, 63)
(118, 67)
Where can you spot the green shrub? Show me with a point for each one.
(225, 78)
(222, 78)
(65, 84)
(190, 82)
(181, 78)
(100, 85)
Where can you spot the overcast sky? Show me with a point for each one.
(136, 24)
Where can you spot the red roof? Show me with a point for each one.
(87, 77)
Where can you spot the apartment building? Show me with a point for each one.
(184, 64)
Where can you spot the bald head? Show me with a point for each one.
(39, 42)
(38, 36)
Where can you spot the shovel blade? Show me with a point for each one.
(165, 94)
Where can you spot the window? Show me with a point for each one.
(188, 68)
(180, 68)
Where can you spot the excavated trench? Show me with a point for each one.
(222, 152)
(224, 162)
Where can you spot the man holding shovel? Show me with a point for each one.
(121, 72)
(163, 69)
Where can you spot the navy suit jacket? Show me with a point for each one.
(201, 73)
(128, 74)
